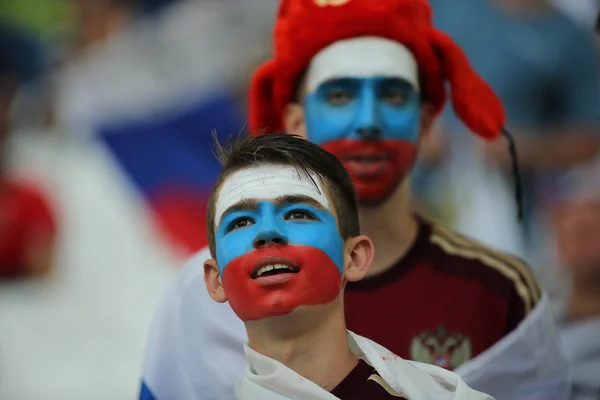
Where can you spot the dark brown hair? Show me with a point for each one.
(248, 150)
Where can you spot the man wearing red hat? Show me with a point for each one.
(366, 88)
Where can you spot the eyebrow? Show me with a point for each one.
(281, 201)
(340, 80)
(242, 205)
(399, 81)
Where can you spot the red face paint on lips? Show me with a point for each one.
(376, 167)
(316, 281)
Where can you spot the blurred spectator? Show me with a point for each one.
(577, 224)
(27, 223)
(543, 66)
(97, 20)
(579, 244)
(545, 69)
(578, 233)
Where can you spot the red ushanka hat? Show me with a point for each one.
(305, 27)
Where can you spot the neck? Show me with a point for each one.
(312, 345)
(584, 301)
(392, 228)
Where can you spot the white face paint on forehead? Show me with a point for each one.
(267, 182)
(363, 57)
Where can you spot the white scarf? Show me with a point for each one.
(526, 364)
(268, 379)
(581, 341)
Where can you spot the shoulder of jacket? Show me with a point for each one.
(509, 266)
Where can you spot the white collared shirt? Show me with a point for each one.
(268, 379)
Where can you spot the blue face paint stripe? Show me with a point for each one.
(368, 115)
(366, 107)
(268, 222)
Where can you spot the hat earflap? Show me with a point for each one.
(475, 103)
(473, 99)
(262, 112)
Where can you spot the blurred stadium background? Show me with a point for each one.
(107, 111)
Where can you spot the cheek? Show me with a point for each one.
(324, 237)
(401, 123)
(233, 245)
(325, 123)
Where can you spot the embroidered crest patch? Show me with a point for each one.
(442, 348)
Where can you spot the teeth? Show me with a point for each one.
(264, 269)
(270, 267)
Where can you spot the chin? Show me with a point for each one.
(369, 200)
(290, 308)
(374, 194)
(304, 317)
(377, 168)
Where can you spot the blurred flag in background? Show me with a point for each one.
(154, 95)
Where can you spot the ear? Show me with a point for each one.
(427, 118)
(358, 257)
(293, 120)
(213, 282)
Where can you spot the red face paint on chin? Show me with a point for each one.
(318, 281)
(376, 167)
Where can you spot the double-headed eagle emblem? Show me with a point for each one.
(441, 348)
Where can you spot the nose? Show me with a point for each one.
(269, 237)
(367, 123)
(369, 133)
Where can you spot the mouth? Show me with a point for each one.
(273, 267)
(366, 158)
(366, 165)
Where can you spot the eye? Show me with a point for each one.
(240, 223)
(393, 96)
(300, 215)
(339, 96)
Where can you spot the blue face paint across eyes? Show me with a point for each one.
(293, 224)
(339, 108)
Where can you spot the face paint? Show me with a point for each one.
(276, 249)
(267, 182)
(365, 57)
(363, 106)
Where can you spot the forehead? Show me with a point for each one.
(364, 57)
(268, 182)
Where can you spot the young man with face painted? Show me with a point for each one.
(284, 239)
(364, 80)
